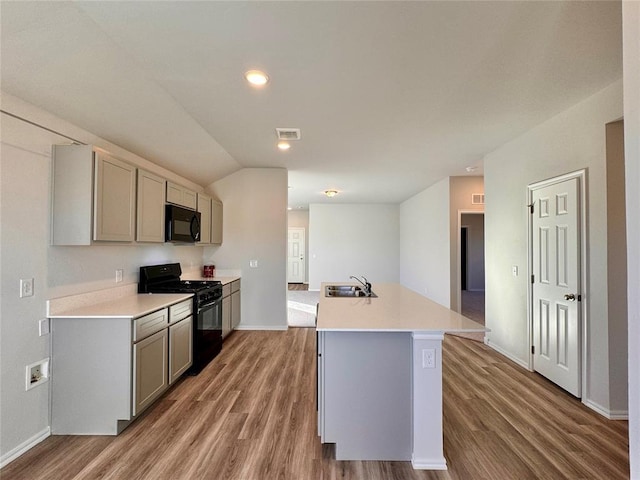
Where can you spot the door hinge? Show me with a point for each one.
(533, 350)
(533, 279)
(530, 208)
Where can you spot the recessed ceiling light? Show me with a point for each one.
(256, 77)
(289, 208)
(330, 193)
(284, 145)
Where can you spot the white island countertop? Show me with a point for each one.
(130, 306)
(395, 309)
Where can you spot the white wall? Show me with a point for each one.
(57, 271)
(572, 140)
(300, 218)
(631, 61)
(255, 228)
(425, 243)
(349, 240)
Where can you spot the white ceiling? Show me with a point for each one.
(391, 96)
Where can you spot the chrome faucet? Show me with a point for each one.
(365, 283)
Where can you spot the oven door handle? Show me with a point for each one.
(208, 305)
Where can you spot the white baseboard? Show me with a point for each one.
(605, 412)
(262, 327)
(28, 444)
(429, 464)
(506, 354)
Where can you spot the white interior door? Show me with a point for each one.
(556, 283)
(295, 255)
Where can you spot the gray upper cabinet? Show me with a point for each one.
(179, 195)
(84, 177)
(151, 201)
(204, 207)
(216, 222)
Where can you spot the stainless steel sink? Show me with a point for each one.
(346, 291)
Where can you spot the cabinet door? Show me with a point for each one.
(189, 199)
(180, 348)
(151, 194)
(235, 309)
(150, 361)
(216, 222)
(174, 193)
(226, 316)
(114, 203)
(180, 195)
(204, 207)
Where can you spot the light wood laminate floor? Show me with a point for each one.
(251, 415)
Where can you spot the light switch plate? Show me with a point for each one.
(43, 326)
(253, 263)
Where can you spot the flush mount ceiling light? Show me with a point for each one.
(330, 193)
(256, 77)
(471, 169)
(284, 145)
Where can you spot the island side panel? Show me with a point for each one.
(428, 452)
(367, 394)
(91, 375)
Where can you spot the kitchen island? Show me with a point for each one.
(380, 374)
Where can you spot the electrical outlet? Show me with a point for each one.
(119, 274)
(26, 287)
(428, 358)
(37, 373)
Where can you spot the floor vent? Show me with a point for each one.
(477, 199)
(288, 133)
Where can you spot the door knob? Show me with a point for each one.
(571, 297)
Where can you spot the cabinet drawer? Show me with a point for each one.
(150, 324)
(226, 290)
(180, 310)
(235, 286)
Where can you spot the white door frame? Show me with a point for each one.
(459, 252)
(581, 175)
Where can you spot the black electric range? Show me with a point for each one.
(207, 307)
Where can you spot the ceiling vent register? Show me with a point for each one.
(477, 199)
(288, 133)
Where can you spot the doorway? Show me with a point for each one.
(556, 263)
(472, 287)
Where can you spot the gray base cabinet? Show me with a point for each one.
(106, 371)
(226, 316)
(235, 308)
(231, 305)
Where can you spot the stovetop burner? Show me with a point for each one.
(166, 278)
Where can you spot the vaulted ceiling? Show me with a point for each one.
(390, 96)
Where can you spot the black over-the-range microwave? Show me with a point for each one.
(182, 225)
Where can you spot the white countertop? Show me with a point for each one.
(131, 306)
(396, 309)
